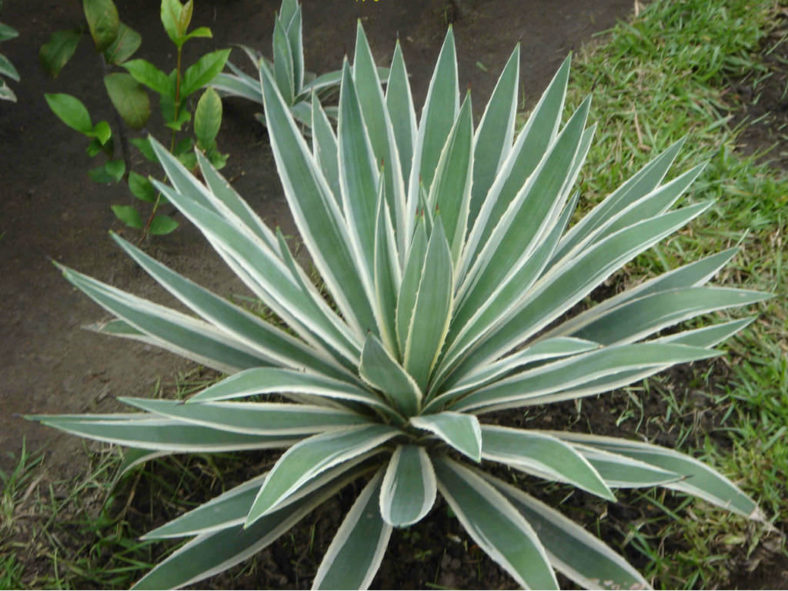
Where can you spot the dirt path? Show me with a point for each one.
(51, 210)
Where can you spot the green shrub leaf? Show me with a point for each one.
(129, 215)
(7, 32)
(129, 99)
(71, 111)
(55, 53)
(207, 118)
(161, 225)
(199, 32)
(102, 132)
(143, 145)
(124, 46)
(103, 22)
(203, 71)
(141, 187)
(111, 172)
(149, 75)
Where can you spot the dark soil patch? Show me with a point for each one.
(764, 98)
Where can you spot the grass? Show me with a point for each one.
(654, 80)
(83, 532)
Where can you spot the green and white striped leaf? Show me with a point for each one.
(271, 342)
(323, 83)
(450, 194)
(283, 63)
(224, 511)
(691, 275)
(540, 351)
(705, 337)
(144, 431)
(216, 195)
(411, 278)
(543, 456)
(409, 486)
(532, 143)
(534, 386)
(402, 114)
(468, 325)
(278, 285)
(437, 118)
(253, 418)
(308, 459)
(432, 309)
(358, 176)
(261, 268)
(387, 274)
(640, 184)
(563, 286)
(217, 551)
(623, 472)
(240, 85)
(383, 372)
(324, 148)
(234, 206)
(654, 203)
(699, 479)
(642, 317)
(572, 550)
(532, 212)
(287, 11)
(380, 129)
(295, 39)
(275, 380)
(230, 508)
(495, 525)
(461, 431)
(355, 553)
(316, 213)
(177, 332)
(493, 138)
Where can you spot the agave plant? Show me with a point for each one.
(449, 264)
(295, 84)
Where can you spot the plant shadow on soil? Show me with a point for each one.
(51, 210)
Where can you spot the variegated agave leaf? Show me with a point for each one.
(448, 254)
(296, 85)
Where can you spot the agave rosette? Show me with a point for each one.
(450, 262)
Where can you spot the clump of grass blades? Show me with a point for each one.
(657, 78)
(449, 255)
